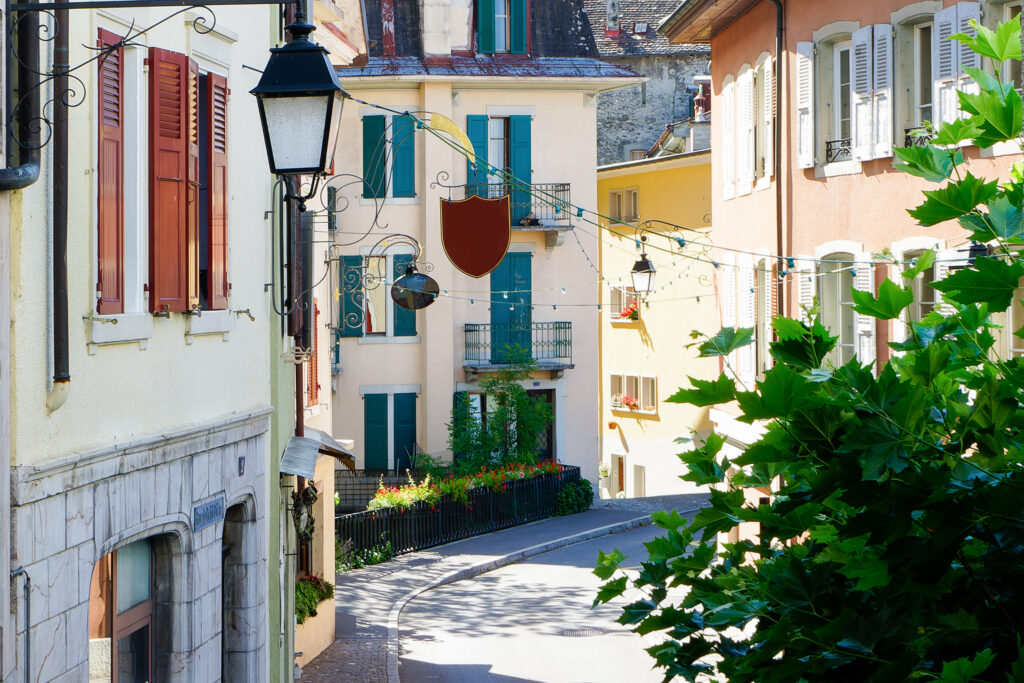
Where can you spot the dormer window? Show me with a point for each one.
(640, 28)
(501, 26)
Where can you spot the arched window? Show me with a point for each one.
(835, 283)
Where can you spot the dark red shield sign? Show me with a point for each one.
(475, 233)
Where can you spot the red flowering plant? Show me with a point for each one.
(632, 311)
(457, 487)
(626, 401)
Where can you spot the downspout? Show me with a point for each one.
(61, 370)
(28, 611)
(27, 173)
(777, 156)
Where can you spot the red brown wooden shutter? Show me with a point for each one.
(110, 179)
(168, 182)
(312, 380)
(192, 201)
(217, 272)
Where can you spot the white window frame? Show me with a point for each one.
(631, 204)
(836, 130)
(502, 20)
(615, 204)
(641, 383)
(389, 335)
(845, 348)
(619, 298)
(917, 119)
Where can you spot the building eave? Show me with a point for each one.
(698, 21)
(412, 81)
(683, 160)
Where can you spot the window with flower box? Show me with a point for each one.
(625, 305)
(634, 392)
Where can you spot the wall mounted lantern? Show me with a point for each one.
(643, 272)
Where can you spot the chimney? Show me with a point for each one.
(611, 26)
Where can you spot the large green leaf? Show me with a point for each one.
(921, 264)
(929, 162)
(1005, 219)
(892, 299)
(782, 392)
(998, 45)
(996, 112)
(990, 280)
(726, 341)
(954, 200)
(706, 392)
(965, 669)
(955, 132)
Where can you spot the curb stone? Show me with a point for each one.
(489, 565)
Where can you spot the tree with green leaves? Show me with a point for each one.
(892, 548)
(511, 429)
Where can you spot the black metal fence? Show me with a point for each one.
(423, 525)
(501, 343)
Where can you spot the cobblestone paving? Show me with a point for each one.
(365, 596)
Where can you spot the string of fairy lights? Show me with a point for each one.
(675, 246)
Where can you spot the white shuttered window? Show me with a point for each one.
(862, 89)
(805, 105)
(882, 100)
(728, 140)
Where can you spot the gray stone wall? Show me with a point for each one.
(634, 117)
(70, 514)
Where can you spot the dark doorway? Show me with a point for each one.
(234, 654)
(546, 441)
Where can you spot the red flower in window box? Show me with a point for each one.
(629, 402)
(632, 311)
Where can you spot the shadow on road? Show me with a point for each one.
(414, 671)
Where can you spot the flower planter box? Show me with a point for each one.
(422, 525)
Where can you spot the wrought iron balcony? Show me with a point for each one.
(544, 205)
(838, 150)
(493, 346)
(917, 137)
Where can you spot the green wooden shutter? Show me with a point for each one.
(405, 429)
(520, 164)
(350, 314)
(332, 208)
(518, 26)
(375, 432)
(405, 320)
(374, 154)
(485, 26)
(520, 336)
(460, 416)
(403, 161)
(476, 176)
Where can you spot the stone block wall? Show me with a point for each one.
(68, 515)
(634, 117)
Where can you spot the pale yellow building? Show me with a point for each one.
(644, 359)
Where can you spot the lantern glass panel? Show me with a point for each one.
(296, 128)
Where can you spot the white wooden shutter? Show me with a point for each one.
(966, 57)
(864, 280)
(945, 105)
(945, 260)
(746, 304)
(882, 99)
(805, 105)
(767, 96)
(861, 90)
(728, 140)
(727, 291)
(770, 299)
(807, 286)
(745, 145)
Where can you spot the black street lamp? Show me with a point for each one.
(643, 272)
(300, 102)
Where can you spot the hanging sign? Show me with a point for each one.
(475, 233)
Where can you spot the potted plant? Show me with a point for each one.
(632, 311)
(630, 402)
(616, 400)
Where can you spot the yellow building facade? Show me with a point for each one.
(660, 206)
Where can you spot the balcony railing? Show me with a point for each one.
(917, 137)
(549, 344)
(838, 150)
(548, 202)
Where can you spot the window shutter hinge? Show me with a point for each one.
(145, 287)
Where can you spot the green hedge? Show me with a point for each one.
(310, 591)
(576, 496)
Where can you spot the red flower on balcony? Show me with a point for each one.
(632, 311)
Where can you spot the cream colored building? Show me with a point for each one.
(139, 486)
(527, 101)
(660, 206)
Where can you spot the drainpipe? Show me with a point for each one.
(27, 173)
(28, 611)
(61, 370)
(777, 156)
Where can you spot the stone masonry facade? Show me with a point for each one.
(68, 515)
(633, 118)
